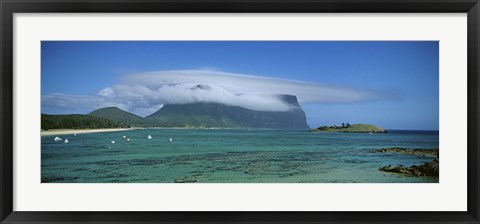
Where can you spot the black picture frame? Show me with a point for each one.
(9, 7)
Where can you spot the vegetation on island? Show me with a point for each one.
(118, 115)
(191, 121)
(350, 128)
(226, 116)
(78, 121)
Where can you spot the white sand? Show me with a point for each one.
(80, 131)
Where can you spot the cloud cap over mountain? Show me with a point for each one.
(144, 93)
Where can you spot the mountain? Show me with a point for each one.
(221, 115)
(118, 115)
(77, 121)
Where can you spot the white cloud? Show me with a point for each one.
(145, 93)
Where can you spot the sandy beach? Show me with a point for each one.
(81, 131)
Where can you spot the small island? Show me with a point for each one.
(350, 128)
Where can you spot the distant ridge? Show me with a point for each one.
(202, 115)
(118, 115)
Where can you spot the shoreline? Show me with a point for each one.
(81, 131)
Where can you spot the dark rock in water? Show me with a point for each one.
(58, 179)
(430, 169)
(220, 115)
(419, 152)
(185, 180)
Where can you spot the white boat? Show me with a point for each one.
(170, 139)
(74, 134)
(149, 137)
(113, 142)
(57, 139)
(124, 137)
(66, 141)
(128, 139)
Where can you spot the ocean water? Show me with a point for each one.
(231, 156)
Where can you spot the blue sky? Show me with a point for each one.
(392, 84)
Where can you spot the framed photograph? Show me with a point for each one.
(241, 112)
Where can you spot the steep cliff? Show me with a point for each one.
(221, 115)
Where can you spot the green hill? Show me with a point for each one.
(77, 121)
(118, 115)
(199, 121)
(354, 128)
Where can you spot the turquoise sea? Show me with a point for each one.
(231, 156)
